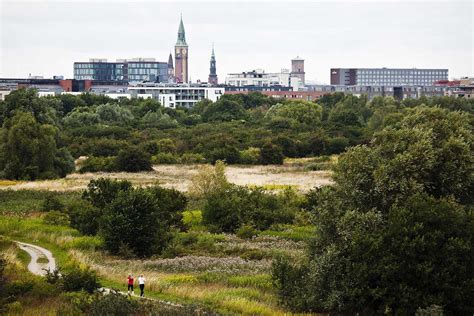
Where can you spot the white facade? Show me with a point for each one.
(258, 78)
(174, 96)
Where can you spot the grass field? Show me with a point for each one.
(221, 272)
(294, 174)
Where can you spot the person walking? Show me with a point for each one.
(130, 284)
(141, 283)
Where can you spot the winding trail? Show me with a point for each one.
(37, 252)
(35, 267)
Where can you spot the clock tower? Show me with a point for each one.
(181, 56)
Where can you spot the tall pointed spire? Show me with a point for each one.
(181, 33)
(212, 69)
(181, 55)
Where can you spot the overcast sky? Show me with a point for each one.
(46, 37)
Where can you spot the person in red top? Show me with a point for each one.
(130, 284)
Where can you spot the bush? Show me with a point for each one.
(250, 156)
(56, 218)
(113, 304)
(84, 217)
(97, 164)
(247, 232)
(228, 209)
(151, 213)
(271, 154)
(133, 160)
(192, 219)
(192, 158)
(52, 203)
(80, 280)
(165, 158)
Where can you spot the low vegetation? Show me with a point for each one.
(393, 234)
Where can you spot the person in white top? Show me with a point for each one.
(141, 283)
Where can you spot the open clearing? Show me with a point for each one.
(179, 176)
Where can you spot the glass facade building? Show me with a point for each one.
(122, 70)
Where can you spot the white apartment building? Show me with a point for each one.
(174, 96)
(260, 78)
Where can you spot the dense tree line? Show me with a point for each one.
(245, 129)
(395, 233)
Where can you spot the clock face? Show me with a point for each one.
(184, 51)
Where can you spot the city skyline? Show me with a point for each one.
(246, 36)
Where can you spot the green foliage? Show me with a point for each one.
(223, 110)
(103, 191)
(78, 279)
(113, 304)
(141, 220)
(165, 158)
(192, 219)
(96, 164)
(133, 160)
(271, 154)
(229, 208)
(247, 232)
(52, 203)
(84, 217)
(299, 114)
(395, 231)
(56, 218)
(250, 156)
(29, 150)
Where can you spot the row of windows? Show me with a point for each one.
(410, 72)
(119, 65)
(153, 66)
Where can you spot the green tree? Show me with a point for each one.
(141, 220)
(304, 114)
(395, 232)
(133, 159)
(29, 150)
(271, 154)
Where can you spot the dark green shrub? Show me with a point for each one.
(56, 218)
(52, 203)
(113, 304)
(247, 232)
(103, 191)
(98, 164)
(133, 160)
(271, 154)
(165, 158)
(84, 217)
(142, 219)
(78, 279)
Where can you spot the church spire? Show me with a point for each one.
(181, 34)
(212, 69)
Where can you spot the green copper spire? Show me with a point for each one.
(181, 34)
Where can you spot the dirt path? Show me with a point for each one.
(35, 267)
(36, 253)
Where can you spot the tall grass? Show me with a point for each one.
(31, 200)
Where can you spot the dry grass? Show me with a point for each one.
(179, 177)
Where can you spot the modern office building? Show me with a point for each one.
(181, 55)
(177, 95)
(386, 76)
(212, 69)
(131, 70)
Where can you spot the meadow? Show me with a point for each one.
(295, 172)
(217, 271)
